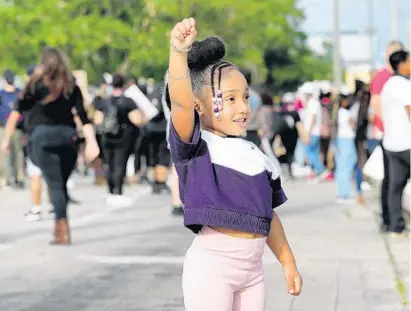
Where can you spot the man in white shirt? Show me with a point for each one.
(395, 104)
(312, 125)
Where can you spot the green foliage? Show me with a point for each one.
(132, 35)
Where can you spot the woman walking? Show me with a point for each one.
(51, 96)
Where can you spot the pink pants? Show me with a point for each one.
(223, 273)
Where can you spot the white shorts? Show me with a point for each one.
(33, 170)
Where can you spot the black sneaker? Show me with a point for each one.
(73, 201)
(384, 228)
(156, 188)
(177, 210)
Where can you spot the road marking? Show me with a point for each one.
(150, 260)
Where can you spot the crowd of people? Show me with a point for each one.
(221, 141)
(333, 135)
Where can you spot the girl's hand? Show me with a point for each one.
(292, 278)
(184, 34)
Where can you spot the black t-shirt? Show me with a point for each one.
(124, 105)
(285, 123)
(57, 112)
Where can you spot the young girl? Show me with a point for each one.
(228, 186)
(345, 152)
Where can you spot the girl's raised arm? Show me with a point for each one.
(179, 82)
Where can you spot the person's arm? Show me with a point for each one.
(135, 115)
(315, 111)
(98, 117)
(299, 125)
(278, 244)
(375, 103)
(407, 108)
(179, 83)
(87, 127)
(9, 129)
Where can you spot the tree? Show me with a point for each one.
(132, 35)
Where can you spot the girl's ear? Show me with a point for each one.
(198, 106)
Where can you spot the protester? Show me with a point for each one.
(221, 177)
(50, 96)
(377, 84)
(118, 118)
(12, 165)
(395, 112)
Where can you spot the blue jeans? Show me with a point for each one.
(299, 153)
(372, 143)
(345, 160)
(358, 178)
(312, 151)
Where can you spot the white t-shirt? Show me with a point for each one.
(395, 96)
(313, 109)
(344, 128)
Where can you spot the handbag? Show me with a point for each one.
(374, 167)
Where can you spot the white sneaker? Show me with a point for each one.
(365, 186)
(32, 216)
(119, 200)
(110, 199)
(123, 201)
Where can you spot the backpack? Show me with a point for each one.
(112, 126)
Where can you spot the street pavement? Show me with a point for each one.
(127, 259)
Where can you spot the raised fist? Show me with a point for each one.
(184, 34)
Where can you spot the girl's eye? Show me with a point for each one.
(247, 97)
(230, 99)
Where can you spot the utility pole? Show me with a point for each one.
(371, 32)
(337, 72)
(394, 19)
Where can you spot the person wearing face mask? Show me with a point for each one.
(229, 188)
(50, 96)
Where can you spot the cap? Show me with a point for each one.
(9, 76)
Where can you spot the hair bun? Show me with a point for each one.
(205, 53)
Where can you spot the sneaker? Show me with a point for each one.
(110, 200)
(119, 200)
(123, 201)
(32, 216)
(384, 228)
(365, 186)
(329, 177)
(398, 235)
(177, 211)
(158, 188)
